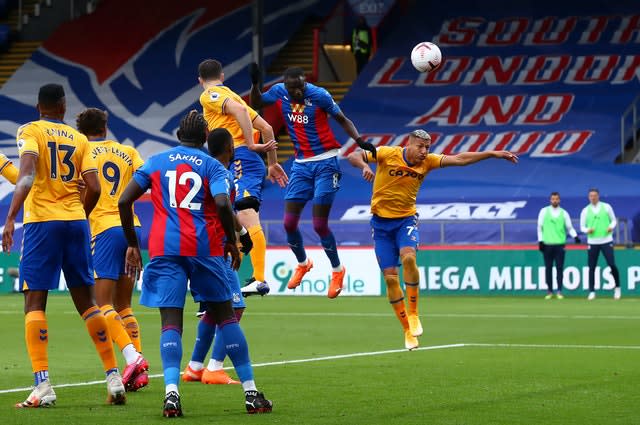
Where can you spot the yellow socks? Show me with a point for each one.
(411, 277)
(99, 330)
(130, 324)
(116, 329)
(259, 251)
(36, 332)
(396, 299)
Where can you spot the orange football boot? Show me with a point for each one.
(337, 280)
(299, 273)
(217, 377)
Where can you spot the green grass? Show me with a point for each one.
(463, 385)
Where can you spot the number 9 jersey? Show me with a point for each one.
(116, 164)
(63, 155)
(183, 182)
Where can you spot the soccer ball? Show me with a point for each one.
(426, 56)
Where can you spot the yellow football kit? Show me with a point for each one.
(7, 169)
(213, 101)
(396, 186)
(116, 164)
(63, 156)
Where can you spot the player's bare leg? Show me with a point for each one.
(411, 277)
(294, 238)
(321, 211)
(396, 299)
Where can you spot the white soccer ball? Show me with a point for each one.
(426, 57)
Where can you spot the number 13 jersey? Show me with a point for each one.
(62, 157)
(116, 164)
(183, 182)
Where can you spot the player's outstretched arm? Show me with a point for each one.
(358, 160)
(351, 130)
(133, 261)
(241, 114)
(91, 192)
(256, 94)
(468, 158)
(26, 175)
(225, 213)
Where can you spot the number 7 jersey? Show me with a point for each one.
(62, 157)
(116, 164)
(183, 182)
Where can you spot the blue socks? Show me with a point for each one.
(219, 350)
(171, 353)
(237, 349)
(328, 242)
(204, 338)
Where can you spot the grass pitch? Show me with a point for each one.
(493, 360)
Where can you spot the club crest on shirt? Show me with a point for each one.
(307, 102)
(214, 96)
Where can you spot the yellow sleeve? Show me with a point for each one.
(88, 163)
(7, 169)
(382, 153)
(137, 159)
(434, 160)
(28, 136)
(213, 101)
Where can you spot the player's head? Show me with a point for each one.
(594, 195)
(418, 146)
(295, 82)
(193, 129)
(92, 122)
(554, 199)
(220, 145)
(210, 70)
(51, 101)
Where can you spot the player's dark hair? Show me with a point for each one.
(593, 189)
(210, 69)
(555, 194)
(193, 129)
(92, 121)
(50, 95)
(294, 72)
(218, 141)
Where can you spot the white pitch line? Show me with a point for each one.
(278, 363)
(567, 346)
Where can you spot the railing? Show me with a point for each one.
(76, 8)
(629, 131)
(439, 232)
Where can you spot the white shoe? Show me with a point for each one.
(617, 294)
(592, 296)
(41, 396)
(115, 389)
(255, 287)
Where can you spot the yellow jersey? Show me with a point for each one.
(213, 101)
(116, 164)
(396, 186)
(62, 158)
(7, 169)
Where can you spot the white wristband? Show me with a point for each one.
(242, 232)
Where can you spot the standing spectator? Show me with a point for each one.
(553, 224)
(597, 220)
(361, 43)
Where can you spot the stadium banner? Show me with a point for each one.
(484, 271)
(518, 272)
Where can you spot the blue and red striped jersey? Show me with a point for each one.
(183, 182)
(307, 122)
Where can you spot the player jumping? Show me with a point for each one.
(116, 164)
(53, 158)
(396, 181)
(222, 108)
(192, 217)
(315, 174)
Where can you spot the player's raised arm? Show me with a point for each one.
(241, 114)
(256, 93)
(276, 173)
(468, 158)
(359, 160)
